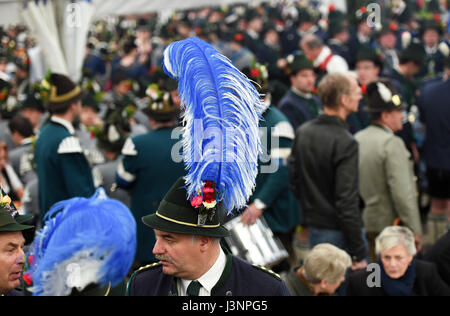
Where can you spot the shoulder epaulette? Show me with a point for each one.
(283, 130)
(147, 267)
(144, 268)
(129, 149)
(70, 145)
(268, 271)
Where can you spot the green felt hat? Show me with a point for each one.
(414, 52)
(383, 97)
(366, 52)
(298, 63)
(160, 106)
(10, 220)
(175, 214)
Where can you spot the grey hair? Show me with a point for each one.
(326, 262)
(196, 237)
(312, 41)
(393, 236)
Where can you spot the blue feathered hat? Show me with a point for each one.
(85, 241)
(221, 141)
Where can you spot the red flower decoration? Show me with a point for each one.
(238, 37)
(2, 95)
(420, 3)
(437, 17)
(393, 26)
(255, 73)
(364, 89)
(30, 259)
(197, 201)
(331, 8)
(28, 279)
(363, 10)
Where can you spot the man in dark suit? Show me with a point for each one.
(192, 263)
(435, 114)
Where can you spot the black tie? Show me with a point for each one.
(194, 288)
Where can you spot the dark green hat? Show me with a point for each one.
(63, 92)
(90, 102)
(383, 97)
(366, 52)
(160, 106)
(431, 25)
(297, 63)
(337, 26)
(10, 220)
(33, 100)
(414, 52)
(175, 214)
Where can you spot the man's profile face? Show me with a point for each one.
(179, 254)
(11, 260)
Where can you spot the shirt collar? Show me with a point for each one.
(431, 50)
(301, 94)
(64, 123)
(212, 276)
(26, 141)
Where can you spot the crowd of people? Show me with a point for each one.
(356, 122)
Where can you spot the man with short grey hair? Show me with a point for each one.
(323, 170)
(322, 272)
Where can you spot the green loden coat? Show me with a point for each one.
(387, 183)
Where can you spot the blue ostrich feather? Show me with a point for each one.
(97, 233)
(221, 141)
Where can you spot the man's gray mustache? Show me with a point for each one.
(163, 258)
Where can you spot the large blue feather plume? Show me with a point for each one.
(84, 241)
(221, 140)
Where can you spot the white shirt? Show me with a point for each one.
(207, 280)
(64, 123)
(336, 63)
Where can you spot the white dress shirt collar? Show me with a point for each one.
(207, 280)
(64, 123)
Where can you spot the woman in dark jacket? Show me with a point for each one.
(397, 273)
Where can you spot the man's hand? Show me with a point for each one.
(250, 215)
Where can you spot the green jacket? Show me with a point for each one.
(62, 168)
(282, 211)
(149, 171)
(387, 182)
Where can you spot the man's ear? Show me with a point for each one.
(205, 242)
(345, 98)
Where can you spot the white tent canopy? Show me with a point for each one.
(61, 26)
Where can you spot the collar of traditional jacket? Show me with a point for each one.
(64, 123)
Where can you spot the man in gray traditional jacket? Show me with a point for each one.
(387, 184)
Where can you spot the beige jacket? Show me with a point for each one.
(387, 182)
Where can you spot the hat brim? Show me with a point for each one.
(156, 222)
(15, 227)
(401, 107)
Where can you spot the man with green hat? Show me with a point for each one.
(405, 78)
(147, 168)
(386, 176)
(220, 149)
(192, 262)
(12, 257)
(368, 69)
(436, 52)
(299, 104)
(63, 170)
